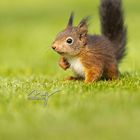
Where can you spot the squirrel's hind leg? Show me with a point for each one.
(112, 72)
(93, 74)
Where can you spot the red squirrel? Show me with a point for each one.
(93, 57)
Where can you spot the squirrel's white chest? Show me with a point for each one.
(77, 67)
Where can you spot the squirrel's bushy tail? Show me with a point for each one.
(112, 25)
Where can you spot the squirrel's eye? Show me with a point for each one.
(69, 40)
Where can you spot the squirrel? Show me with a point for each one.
(93, 57)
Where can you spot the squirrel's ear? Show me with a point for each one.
(83, 26)
(70, 22)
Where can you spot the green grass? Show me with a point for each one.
(106, 110)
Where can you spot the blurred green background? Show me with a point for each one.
(108, 111)
(27, 29)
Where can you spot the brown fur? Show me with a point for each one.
(99, 55)
(63, 63)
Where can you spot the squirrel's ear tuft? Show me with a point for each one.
(83, 25)
(70, 22)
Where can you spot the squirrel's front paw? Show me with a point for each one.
(70, 78)
(64, 63)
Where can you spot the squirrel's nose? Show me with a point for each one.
(53, 47)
